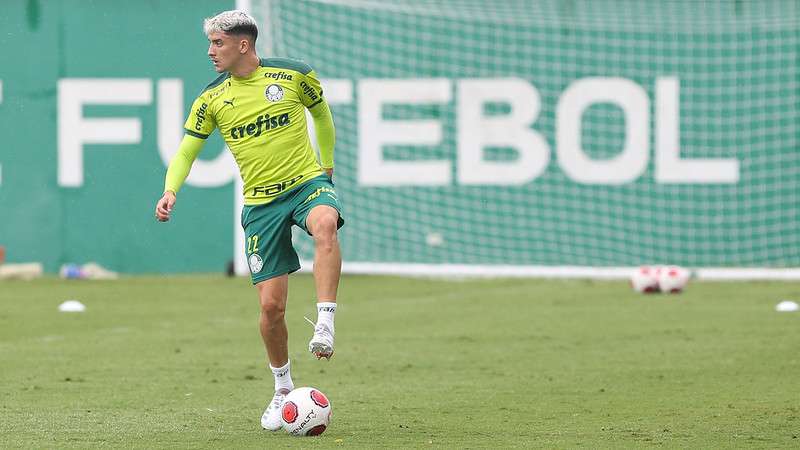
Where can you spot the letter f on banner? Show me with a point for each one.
(74, 130)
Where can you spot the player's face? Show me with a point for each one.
(223, 49)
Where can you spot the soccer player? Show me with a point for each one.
(259, 106)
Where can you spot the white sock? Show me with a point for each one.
(325, 312)
(283, 377)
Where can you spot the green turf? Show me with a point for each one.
(178, 362)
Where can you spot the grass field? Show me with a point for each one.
(177, 362)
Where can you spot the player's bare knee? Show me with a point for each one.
(324, 230)
(273, 309)
(272, 305)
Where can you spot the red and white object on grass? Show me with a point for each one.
(305, 412)
(645, 279)
(673, 279)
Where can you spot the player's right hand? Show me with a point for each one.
(164, 206)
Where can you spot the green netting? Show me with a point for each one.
(737, 65)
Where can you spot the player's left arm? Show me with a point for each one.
(323, 119)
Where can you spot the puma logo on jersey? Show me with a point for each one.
(229, 102)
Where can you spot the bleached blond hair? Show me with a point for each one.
(232, 22)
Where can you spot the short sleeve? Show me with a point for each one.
(310, 90)
(200, 122)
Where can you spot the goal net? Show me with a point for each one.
(527, 137)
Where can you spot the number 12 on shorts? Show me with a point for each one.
(252, 244)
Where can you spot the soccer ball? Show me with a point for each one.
(673, 279)
(305, 412)
(645, 279)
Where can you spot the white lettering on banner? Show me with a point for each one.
(217, 172)
(1, 101)
(374, 132)
(670, 168)
(476, 132)
(629, 164)
(74, 130)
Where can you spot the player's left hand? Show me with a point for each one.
(329, 172)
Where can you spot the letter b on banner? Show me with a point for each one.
(476, 132)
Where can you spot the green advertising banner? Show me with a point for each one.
(470, 134)
(80, 166)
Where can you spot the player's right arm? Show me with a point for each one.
(198, 126)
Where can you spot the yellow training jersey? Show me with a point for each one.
(262, 119)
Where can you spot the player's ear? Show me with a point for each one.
(244, 46)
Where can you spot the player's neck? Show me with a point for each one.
(246, 67)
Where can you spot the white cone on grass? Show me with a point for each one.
(786, 306)
(72, 306)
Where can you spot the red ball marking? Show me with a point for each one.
(319, 398)
(317, 430)
(289, 412)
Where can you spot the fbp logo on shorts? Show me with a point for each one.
(256, 263)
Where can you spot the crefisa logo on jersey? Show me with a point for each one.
(256, 263)
(273, 92)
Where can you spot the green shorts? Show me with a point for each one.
(268, 228)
